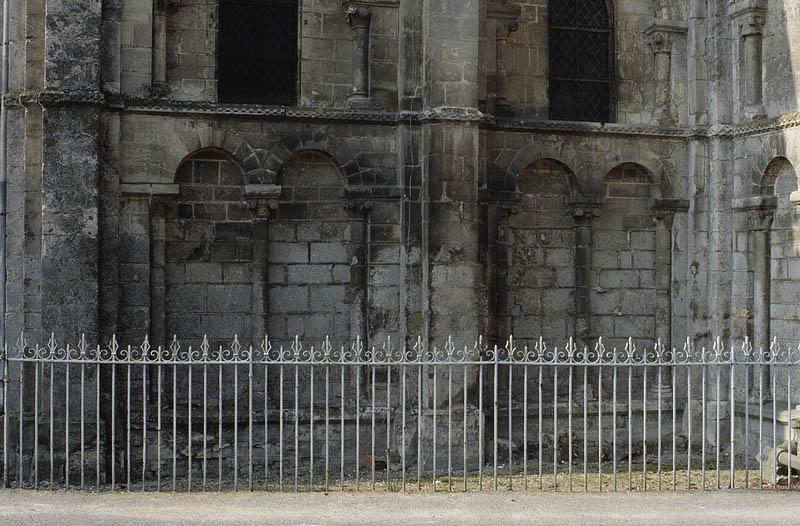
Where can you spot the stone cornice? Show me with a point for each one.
(664, 25)
(116, 102)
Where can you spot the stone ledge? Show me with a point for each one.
(148, 189)
(758, 202)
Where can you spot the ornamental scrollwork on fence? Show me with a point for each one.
(417, 352)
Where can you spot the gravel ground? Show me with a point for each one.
(504, 507)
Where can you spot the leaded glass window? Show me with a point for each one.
(257, 59)
(581, 60)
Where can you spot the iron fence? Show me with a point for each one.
(406, 418)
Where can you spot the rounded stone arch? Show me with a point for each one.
(276, 155)
(552, 169)
(207, 137)
(750, 169)
(777, 168)
(653, 167)
(508, 165)
(313, 156)
(638, 171)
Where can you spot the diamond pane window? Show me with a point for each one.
(257, 56)
(581, 61)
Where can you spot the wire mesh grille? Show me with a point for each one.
(581, 72)
(258, 51)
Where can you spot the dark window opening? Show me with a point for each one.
(581, 45)
(257, 59)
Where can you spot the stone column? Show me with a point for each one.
(749, 17)
(584, 209)
(498, 213)
(505, 16)
(663, 215)
(661, 44)
(158, 293)
(664, 35)
(159, 86)
(358, 16)
(262, 200)
(760, 227)
(358, 293)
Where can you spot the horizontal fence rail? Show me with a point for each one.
(408, 418)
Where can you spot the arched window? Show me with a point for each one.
(581, 60)
(257, 60)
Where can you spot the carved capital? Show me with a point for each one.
(760, 219)
(262, 199)
(505, 27)
(357, 206)
(660, 42)
(356, 14)
(751, 23)
(585, 207)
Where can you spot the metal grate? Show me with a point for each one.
(257, 61)
(581, 67)
(293, 417)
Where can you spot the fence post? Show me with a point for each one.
(5, 415)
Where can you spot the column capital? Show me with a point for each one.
(262, 199)
(585, 207)
(750, 16)
(759, 210)
(506, 17)
(356, 14)
(660, 42)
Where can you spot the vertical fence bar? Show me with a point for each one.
(250, 420)
(128, 422)
(789, 424)
(236, 418)
(555, 427)
(524, 423)
(703, 427)
(205, 418)
(372, 424)
(420, 357)
(761, 420)
(450, 427)
(36, 367)
(159, 366)
(341, 422)
(327, 422)
(96, 422)
(481, 458)
(435, 412)
(510, 390)
(113, 417)
(266, 417)
(6, 411)
(280, 424)
(747, 369)
(358, 423)
(494, 415)
(403, 425)
(219, 417)
(52, 434)
(659, 387)
(296, 423)
(311, 427)
(388, 416)
(83, 420)
(774, 424)
(630, 427)
(614, 420)
(540, 430)
(569, 428)
(644, 422)
(600, 423)
(689, 425)
(66, 423)
(144, 423)
(585, 426)
(674, 419)
(733, 424)
(717, 415)
(464, 422)
(189, 420)
(174, 419)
